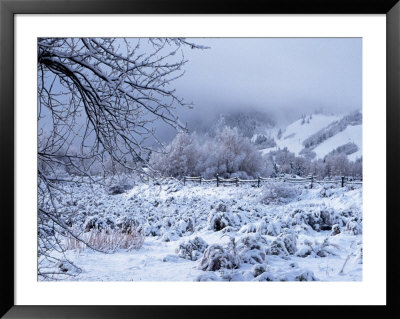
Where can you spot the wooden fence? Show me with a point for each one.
(235, 180)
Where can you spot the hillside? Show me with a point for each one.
(322, 134)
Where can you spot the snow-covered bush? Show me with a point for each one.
(279, 193)
(258, 269)
(317, 249)
(98, 223)
(220, 218)
(299, 275)
(232, 275)
(208, 276)
(327, 190)
(168, 235)
(251, 249)
(186, 225)
(216, 257)
(335, 230)
(354, 226)
(274, 227)
(173, 186)
(151, 230)
(249, 228)
(285, 244)
(265, 276)
(192, 249)
(128, 225)
(294, 274)
(120, 186)
(318, 220)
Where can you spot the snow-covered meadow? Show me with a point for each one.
(277, 232)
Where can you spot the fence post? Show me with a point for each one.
(258, 181)
(237, 181)
(217, 180)
(342, 181)
(184, 180)
(200, 180)
(312, 179)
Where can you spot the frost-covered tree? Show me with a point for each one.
(301, 166)
(262, 141)
(227, 153)
(356, 168)
(98, 100)
(236, 153)
(337, 165)
(179, 158)
(307, 153)
(283, 160)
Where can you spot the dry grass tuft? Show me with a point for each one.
(108, 240)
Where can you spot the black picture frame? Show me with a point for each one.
(9, 8)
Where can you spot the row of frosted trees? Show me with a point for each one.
(229, 154)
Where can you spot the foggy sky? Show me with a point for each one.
(284, 77)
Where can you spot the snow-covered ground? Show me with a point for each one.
(278, 232)
(351, 134)
(296, 133)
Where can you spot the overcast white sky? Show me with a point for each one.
(282, 76)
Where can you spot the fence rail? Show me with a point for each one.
(310, 179)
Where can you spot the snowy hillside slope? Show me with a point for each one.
(295, 133)
(330, 127)
(350, 134)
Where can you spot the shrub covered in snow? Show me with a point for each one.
(208, 276)
(335, 230)
(299, 275)
(98, 223)
(262, 236)
(279, 193)
(128, 225)
(354, 226)
(169, 234)
(258, 269)
(251, 249)
(317, 249)
(317, 219)
(220, 217)
(216, 257)
(327, 190)
(293, 274)
(285, 244)
(265, 276)
(192, 249)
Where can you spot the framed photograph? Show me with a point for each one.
(166, 155)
